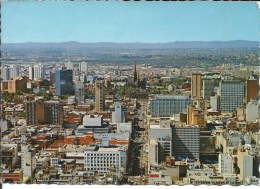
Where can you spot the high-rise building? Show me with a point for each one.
(195, 116)
(186, 142)
(69, 65)
(215, 103)
(164, 105)
(208, 88)
(5, 73)
(195, 86)
(28, 160)
(53, 112)
(252, 89)
(38, 72)
(252, 110)
(31, 72)
(83, 67)
(117, 115)
(99, 95)
(64, 82)
(225, 164)
(14, 71)
(17, 84)
(34, 112)
(231, 95)
(245, 163)
(159, 150)
(164, 149)
(80, 92)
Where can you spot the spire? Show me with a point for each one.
(135, 73)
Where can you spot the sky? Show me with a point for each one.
(121, 22)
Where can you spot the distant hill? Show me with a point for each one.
(107, 45)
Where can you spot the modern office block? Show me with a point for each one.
(185, 142)
(231, 95)
(195, 86)
(252, 89)
(208, 88)
(99, 95)
(63, 82)
(164, 105)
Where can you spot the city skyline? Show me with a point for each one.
(126, 22)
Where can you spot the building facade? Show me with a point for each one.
(80, 92)
(208, 88)
(53, 112)
(64, 82)
(104, 159)
(195, 86)
(231, 95)
(166, 106)
(186, 142)
(99, 95)
(252, 89)
(225, 164)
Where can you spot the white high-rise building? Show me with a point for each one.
(31, 72)
(69, 65)
(83, 67)
(232, 95)
(39, 72)
(5, 73)
(28, 159)
(117, 115)
(14, 71)
(225, 164)
(245, 164)
(252, 111)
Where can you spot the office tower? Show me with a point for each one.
(69, 65)
(38, 72)
(63, 82)
(252, 89)
(208, 88)
(28, 160)
(17, 84)
(195, 86)
(14, 71)
(164, 105)
(5, 73)
(83, 67)
(117, 115)
(195, 116)
(215, 103)
(80, 92)
(104, 159)
(31, 72)
(164, 149)
(185, 142)
(245, 163)
(53, 112)
(252, 110)
(34, 112)
(225, 164)
(231, 95)
(99, 95)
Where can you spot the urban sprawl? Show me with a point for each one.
(69, 121)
